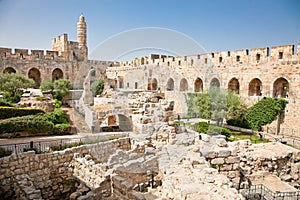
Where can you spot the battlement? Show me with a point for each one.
(27, 54)
(235, 57)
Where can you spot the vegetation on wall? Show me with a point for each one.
(97, 87)
(265, 111)
(12, 85)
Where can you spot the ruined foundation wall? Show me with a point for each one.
(50, 173)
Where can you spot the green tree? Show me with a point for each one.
(12, 85)
(218, 104)
(97, 87)
(59, 88)
(236, 107)
(265, 111)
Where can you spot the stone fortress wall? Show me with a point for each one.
(254, 74)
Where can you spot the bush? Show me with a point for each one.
(243, 123)
(203, 127)
(62, 129)
(58, 116)
(33, 124)
(216, 130)
(58, 103)
(9, 112)
(5, 104)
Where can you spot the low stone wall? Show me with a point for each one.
(50, 173)
(222, 156)
(276, 158)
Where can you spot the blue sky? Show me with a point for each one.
(217, 25)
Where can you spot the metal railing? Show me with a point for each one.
(44, 147)
(256, 192)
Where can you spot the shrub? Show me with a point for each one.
(5, 104)
(62, 129)
(203, 127)
(9, 112)
(58, 116)
(58, 103)
(243, 123)
(34, 124)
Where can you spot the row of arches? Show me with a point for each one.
(280, 86)
(35, 74)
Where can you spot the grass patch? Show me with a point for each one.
(236, 135)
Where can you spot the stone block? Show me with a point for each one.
(224, 152)
(226, 167)
(231, 160)
(217, 161)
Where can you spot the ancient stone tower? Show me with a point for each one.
(82, 37)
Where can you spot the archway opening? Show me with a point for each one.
(35, 74)
(9, 70)
(183, 85)
(255, 87)
(281, 88)
(170, 84)
(198, 85)
(215, 82)
(57, 74)
(234, 85)
(154, 84)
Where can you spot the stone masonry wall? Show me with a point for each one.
(50, 173)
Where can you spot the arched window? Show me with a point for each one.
(183, 85)
(234, 85)
(255, 87)
(170, 84)
(198, 85)
(281, 88)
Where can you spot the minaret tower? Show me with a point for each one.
(81, 36)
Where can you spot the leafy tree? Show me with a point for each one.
(59, 88)
(218, 104)
(47, 86)
(199, 105)
(12, 85)
(236, 107)
(97, 87)
(265, 111)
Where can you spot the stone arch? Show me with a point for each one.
(170, 84)
(125, 123)
(183, 85)
(9, 70)
(35, 74)
(57, 74)
(281, 88)
(234, 85)
(154, 84)
(215, 83)
(255, 87)
(198, 85)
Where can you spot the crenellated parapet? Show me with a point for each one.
(253, 56)
(27, 54)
